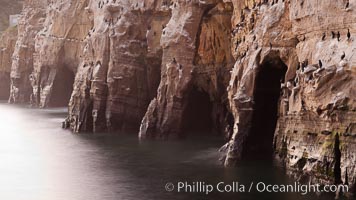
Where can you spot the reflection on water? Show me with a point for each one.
(40, 161)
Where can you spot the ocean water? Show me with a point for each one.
(41, 161)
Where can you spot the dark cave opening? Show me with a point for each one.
(62, 88)
(337, 164)
(197, 117)
(259, 143)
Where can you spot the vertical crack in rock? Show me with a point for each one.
(337, 157)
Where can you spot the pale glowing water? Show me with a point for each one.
(40, 161)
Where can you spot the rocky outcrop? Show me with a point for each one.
(7, 45)
(120, 68)
(269, 76)
(8, 37)
(263, 43)
(196, 56)
(66, 24)
(56, 29)
(31, 21)
(293, 86)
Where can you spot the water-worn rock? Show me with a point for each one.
(7, 44)
(67, 23)
(306, 46)
(31, 21)
(120, 69)
(196, 56)
(269, 76)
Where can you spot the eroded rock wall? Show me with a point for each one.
(119, 72)
(316, 107)
(319, 119)
(276, 75)
(7, 45)
(58, 51)
(196, 55)
(30, 23)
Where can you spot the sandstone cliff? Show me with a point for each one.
(120, 68)
(271, 76)
(8, 37)
(31, 21)
(7, 44)
(303, 50)
(196, 56)
(58, 52)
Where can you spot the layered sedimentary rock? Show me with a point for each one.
(66, 25)
(269, 76)
(8, 37)
(31, 21)
(7, 44)
(120, 69)
(295, 72)
(196, 56)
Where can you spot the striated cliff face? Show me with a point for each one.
(293, 87)
(268, 76)
(120, 68)
(195, 70)
(31, 21)
(8, 37)
(65, 26)
(7, 44)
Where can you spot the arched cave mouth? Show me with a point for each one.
(62, 88)
(259, 143)
(197, 116)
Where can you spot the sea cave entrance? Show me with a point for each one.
(259, 143)
(204, 117)
(197, 116)
(62, 88)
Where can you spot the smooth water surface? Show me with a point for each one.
(40, 161)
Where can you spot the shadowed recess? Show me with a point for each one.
(197, 116)
(259, 143)
(62, 88)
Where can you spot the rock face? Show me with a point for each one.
(31, 21)
(120, 69)
(7, 45)
(292, 89)
(65, 26)
(269, 76)
(8, 37)
(196, 58)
